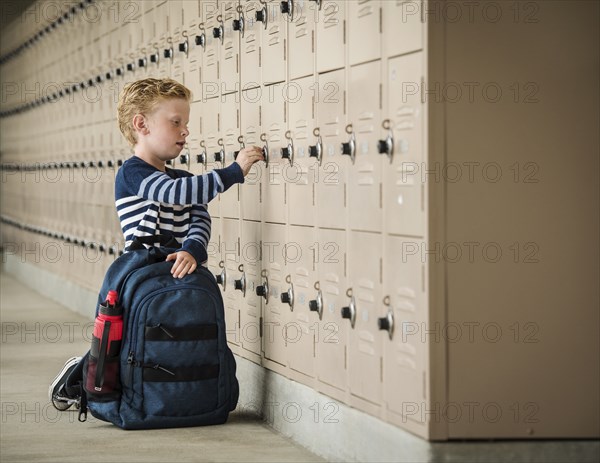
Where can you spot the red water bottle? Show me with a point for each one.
(103, 367)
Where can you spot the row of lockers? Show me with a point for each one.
(199, 40)
(322, 307)
(325, 159)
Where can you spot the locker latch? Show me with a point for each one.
(262, 16)
(316, 151)
(387, 323)
(288, 152)
(222, 277)
(202, 158)
(168, 53)
(201, 40)
(219, 32)
(241, 283)
(220, 155)
(238, 24)
(316, 305)
(154, 57)
(265, 150)
(242, 146)
(183, 47)
(185, 158)
(142, 62)
(349, 312)
(349, 148)
(287, 7)
(288, 296)
(263, 290)
(387, 146)
(130, 66)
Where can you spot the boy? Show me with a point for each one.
(153, 199)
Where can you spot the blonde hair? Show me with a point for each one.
(142, 96)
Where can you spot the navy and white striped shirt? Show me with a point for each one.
(151, 202)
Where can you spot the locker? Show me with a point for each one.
(365, 341)
(215, 260)
(276, 314)
(166, 48)
(230, 132)
(250, 45)
(212, 26)
(191, 14)
(250, 316)
(331, 35)
(161, 15)
(301, 41)
(304, 324)
(273, 43)
(193, 139)
(193, 64)
(301, 176)
(230, 51)
(250, 190)
(232, 297)
(175, 16)
(364, 41)
(213, 144)
(404, 353)
(402, 26)
(274, 126)
(403, 188)
(364, 175)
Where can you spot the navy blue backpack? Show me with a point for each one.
(174, 367)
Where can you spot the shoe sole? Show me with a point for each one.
(68, 364)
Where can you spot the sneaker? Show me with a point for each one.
(56, 392)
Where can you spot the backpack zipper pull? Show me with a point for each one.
(158, 367)
(167, 332)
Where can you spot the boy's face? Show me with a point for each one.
(166, 129)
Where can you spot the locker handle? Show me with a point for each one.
(262, 16)
(201, 40)
(238, 25)
(263, 290)
(241, 284)
(288, 297)
(202, 158)
(288, 152)
(349, 312)
(316, 305)
(222, 278)
(387, 323)
(316, 151)
(349, 148)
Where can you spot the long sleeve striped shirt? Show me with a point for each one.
(152, 202)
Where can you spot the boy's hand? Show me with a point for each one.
(249, 156)
(184, 263)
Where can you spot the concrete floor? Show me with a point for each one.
(38, 335)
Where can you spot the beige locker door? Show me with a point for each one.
(332, 340)
(332, 175)
(175, 19)
(161, 14)
(215, 260)
(250, 190)
(232, 298)
(193, 71)
(180, 57)
(230, 52)
(191, 15)
(194, 138)
(276, 314)
(250, 316)
(364, 176)
(403, 26)
(364, 41)
(404, 355)
(299, 252)
(301, 40)
(250, 46)
(301, 176)
(273, 44)
(210, 73)
(364, 350)
(403, 186)
(230, 130)
(165, 44)
(274, 125)
(212, 142)
(331, 35)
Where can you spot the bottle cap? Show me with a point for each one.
(112, 297)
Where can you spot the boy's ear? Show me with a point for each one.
(140, 124)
